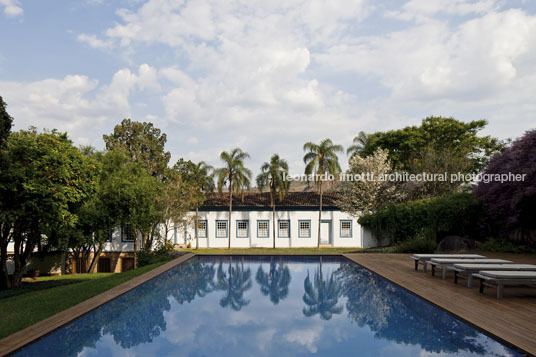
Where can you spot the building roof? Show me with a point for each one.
(256, 200)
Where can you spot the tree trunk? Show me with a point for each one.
(320, 214)
(5, 283)
(22, 257)
(136, 248)
(96, 255)
(273, 214)
(230, 213)
(62, 262)
(196, 227)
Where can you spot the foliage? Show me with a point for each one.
(443, 135)
(358, 144)
(421, 243)
(142, 142)
(512, 204)
(367, 194)
(44, 180)
(505, 246)
(457, 214)
(6, 121)
(149, 257)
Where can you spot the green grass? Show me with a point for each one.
(271, 251)
(33, 305)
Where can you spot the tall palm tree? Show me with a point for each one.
(235, 175)
(321, 159)
(275, 282)
(359, 143)
(273, 175)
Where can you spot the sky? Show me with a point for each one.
(266, 76)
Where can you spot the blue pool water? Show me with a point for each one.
(267, 306)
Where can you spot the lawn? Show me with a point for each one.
(47, 296)
(271, 251)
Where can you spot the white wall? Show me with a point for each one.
(358, 239)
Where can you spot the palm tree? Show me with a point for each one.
(321, 159)
(235, 175)
(273, 175)
(321, 296)
(235, 282)
(275, 282)
(359, 143)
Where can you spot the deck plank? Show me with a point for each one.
(511, 319)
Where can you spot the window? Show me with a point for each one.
(127, 233)
(202, 231)
(221, 229)
(284, 229)
(242, 229)
(263, 229)
(304, 229)
(346, 228)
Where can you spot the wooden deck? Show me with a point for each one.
(511, 319)
(20, 339)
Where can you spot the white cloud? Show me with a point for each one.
(12, 8)
(94, 42)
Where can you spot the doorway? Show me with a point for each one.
(325, 232)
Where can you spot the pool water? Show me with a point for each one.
(267, 306)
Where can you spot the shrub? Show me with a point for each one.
(160, 254)
(421, 243)
(457, 214)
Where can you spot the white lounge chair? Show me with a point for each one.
(468, 270)
(499, 279)
(424, 259)
(445, 263)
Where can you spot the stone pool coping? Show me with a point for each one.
(18, 340)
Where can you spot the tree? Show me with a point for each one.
(44, 179)
(512, 204)
(196, 180)
(6, 121)
(366, 192)
(142, 142)
(321, 159)
(437, 133)
(322, 295)
(359, 143)
(273, 175)
(235, 175)
(274, 283)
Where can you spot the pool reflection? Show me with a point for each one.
(300, 306)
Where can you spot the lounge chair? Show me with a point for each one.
(424, 259)
(499, 279)
(445, 263)
(468, 270)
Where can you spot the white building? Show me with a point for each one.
(296, 223)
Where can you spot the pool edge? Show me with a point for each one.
(19, 339)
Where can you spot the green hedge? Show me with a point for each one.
(457, 214)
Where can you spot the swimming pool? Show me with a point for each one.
(265, 306)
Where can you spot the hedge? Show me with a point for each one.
(457, 214)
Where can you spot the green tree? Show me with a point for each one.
(273, 175)
(44, 180)
(359, 143)
(321, 160)
(196, 179)
(142, 142)
(235, 175)
(274, 283)
(406, 146)
(6, 121)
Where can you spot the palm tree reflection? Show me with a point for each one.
(234, 282)
(322, 295)
(274, 283)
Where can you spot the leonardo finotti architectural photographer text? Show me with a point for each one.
(407, 177)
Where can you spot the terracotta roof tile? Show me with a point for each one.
(256, 199)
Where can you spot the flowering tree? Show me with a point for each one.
(512, 204)
(368, 191)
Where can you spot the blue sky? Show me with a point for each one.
(266, 76)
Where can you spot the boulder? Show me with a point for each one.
(455, 243)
